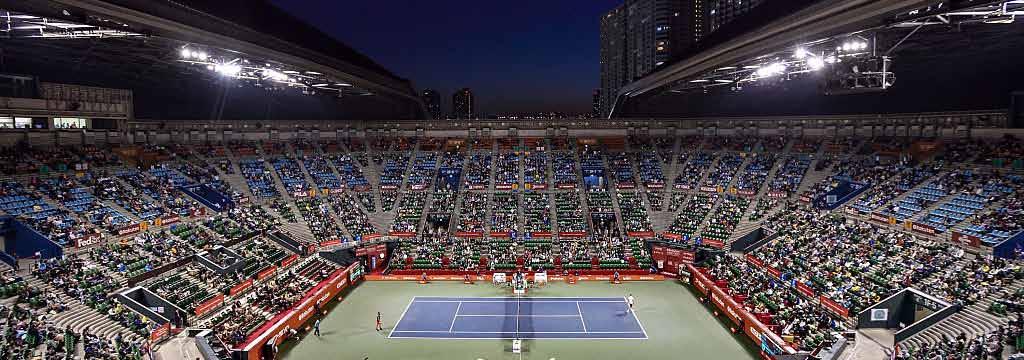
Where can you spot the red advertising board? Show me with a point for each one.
(641, 234)
(923, 228)
(834, 307)
(160, 333)
(541, 234)
(209, 305)
(752, 327)
(970, 240)
(330, 243)
(669, 259)
(265, 273)
(275, 330)
(572, 234)
(469, 234)
(753, 260)
(500, 234)
(242, 286)
(804, 289)
(289, 260)
(403, 234)
(128, 230)
(371, 236)
(169, 219)
(715, 243)
(672, 236)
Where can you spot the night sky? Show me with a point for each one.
(517, 56)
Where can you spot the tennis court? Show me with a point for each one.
(522, 318)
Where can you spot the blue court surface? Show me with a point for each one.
(523, 318)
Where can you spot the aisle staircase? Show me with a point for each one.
(972, 320)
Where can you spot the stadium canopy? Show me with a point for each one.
(793, 39)
(250, 42)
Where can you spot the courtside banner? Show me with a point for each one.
(209, 305)
(834, 307)
(714, 243)
(969, 240)
(459, 277)
(752, 327)
(641, 234)
(275, 330)
(160, 333)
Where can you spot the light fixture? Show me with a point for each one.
(228, 69)
(800, 53)
(815, 63)
(771, 70)
(186, 53)
(274, 75)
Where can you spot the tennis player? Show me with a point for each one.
(630, 299)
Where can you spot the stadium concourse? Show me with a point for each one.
(787, 240)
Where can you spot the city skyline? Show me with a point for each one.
(547, 64)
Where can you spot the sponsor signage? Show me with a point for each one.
(403, 234)
(969, 240)
(128, 230)
(160, 333)
(275, 330)
(289, 260)
(330, 243)
(242, 286)
(833, 306)
(715, 243)
(752, 327)
(89, 240)
(209, 305)
(265, 273)
(923, 228)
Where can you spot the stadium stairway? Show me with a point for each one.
(80, 317)
(972, 320)
(299, 230)
(237, 183)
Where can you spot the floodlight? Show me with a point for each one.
(815, 63)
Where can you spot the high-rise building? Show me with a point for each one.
(613, 57)
(640, 36)
(721, 12)
(595, 111)
(432, 100)
(463, 106)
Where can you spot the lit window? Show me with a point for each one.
(69, 123)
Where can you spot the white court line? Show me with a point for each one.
(527, 298)
(514, 315)
(456, 317)
(402, 317)
(584, 322)
(636, 318)
(499, 302)
(522, 338)
(532, 332)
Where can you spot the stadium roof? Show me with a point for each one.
(146, 41)
(910, 32)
